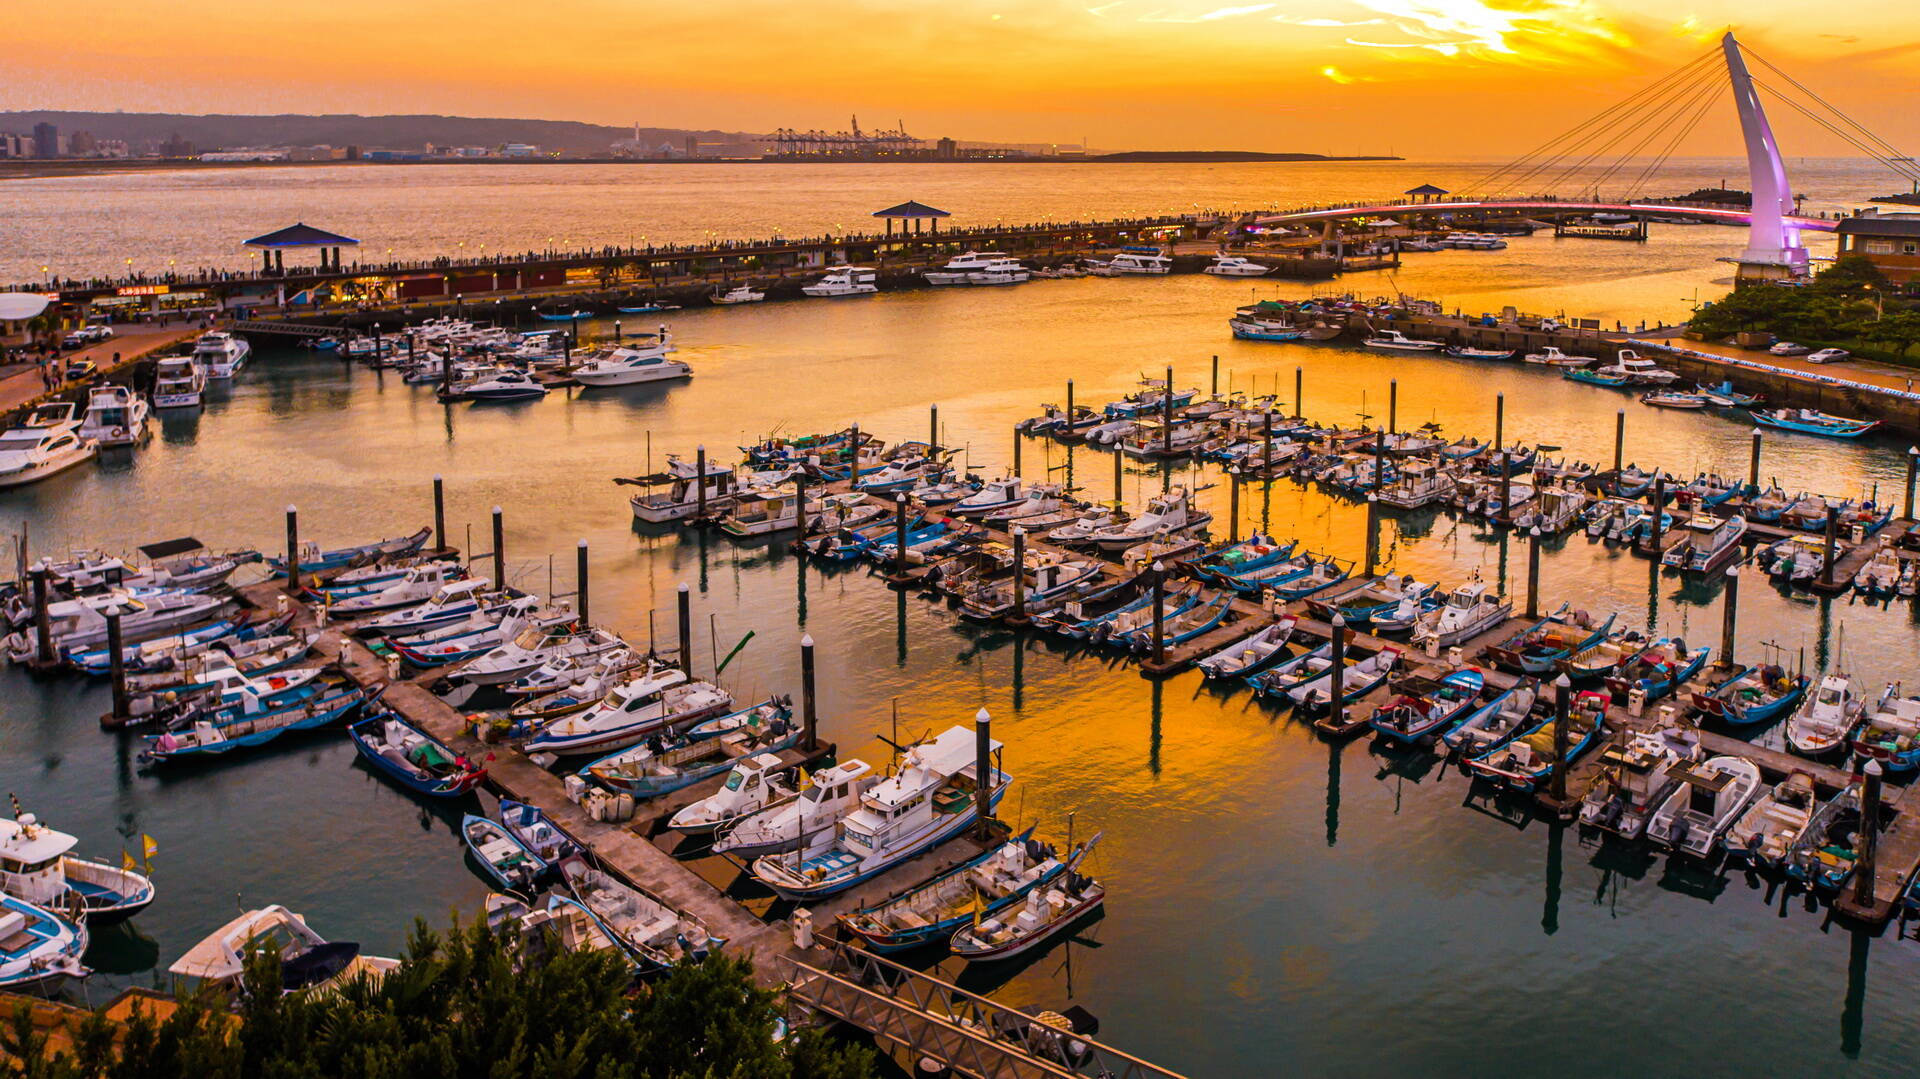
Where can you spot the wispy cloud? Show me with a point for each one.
(1101, 11)
(1209, 16)
(1344, 78)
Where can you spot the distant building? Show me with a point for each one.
(946, 149)
(12, 145)
(81, 144)
(519, 149)
(693, 146)
(175, 146)
(46, 140)
(1890, 241)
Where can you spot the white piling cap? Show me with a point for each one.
(496, 511)
(436, 477)
(1563, 680)
(583, 545)
(683, 588)
(1734, 569)
(1535, 531)
(291, 508)
(982, 717)
(806, 640)
(1159, 566)
(1339, 620)
(1873, 768)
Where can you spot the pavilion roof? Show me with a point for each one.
(911, 208)
(1428, 189)
(301, 235)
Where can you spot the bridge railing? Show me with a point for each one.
(930, 1018)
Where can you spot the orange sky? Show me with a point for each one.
(1420, 77)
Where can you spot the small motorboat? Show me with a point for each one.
(37, 865)
(1765, 832)
(39, 951)
(1673, 399)
(656, 935)
(1635, 778)
(1497, 722)
(782, 826)
(1399, 342)
(501, 853)
(1703, 804)
(307, 960)
(1826, 718)
(1251, 655)
(1062, 904)
(413, 758)
(737, 294)
(1524, 760)
(1422, 708)
(1828, 849)
(754, 784)
(1809, 421)
(509, 385)
(530, 825)
(975, 889)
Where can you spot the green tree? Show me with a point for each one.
(469, 1003)
(1898, 330)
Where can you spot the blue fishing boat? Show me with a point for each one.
(1596, 377)
(564, 316)
(1496, 722)
(1423, 708)
(1259, 330)
(150, 656)
(1252, 655)
(1322, 574)
(661, 766)
(1657, 669)
(1520, 763)
(339, 558)
(502, 855)
(1809, 421)
(1752, 696)
(1293, 671)
(40, 951)
(215, 736)
(1539, 648)
(1121, 627)
(1197, 619)
(413, 758)
(1252, 553)
(972, 891)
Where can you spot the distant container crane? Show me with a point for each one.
(854, 145)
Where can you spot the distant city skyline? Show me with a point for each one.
(1414, 77)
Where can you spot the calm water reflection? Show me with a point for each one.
(1274, 898)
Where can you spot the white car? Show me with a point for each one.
(1828, 355)
(1788, 348)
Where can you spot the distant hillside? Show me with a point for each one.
(1205, 156)
(408, 132)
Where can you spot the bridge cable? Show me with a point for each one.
(1888, 151)
(1575, 137)
(1666, 152)
(1901, 167)
(1651, 114)
(1688, 103)
(1620, 122)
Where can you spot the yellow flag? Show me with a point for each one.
(801, 780)
(127, 863)
(979, 909)
(148, 846)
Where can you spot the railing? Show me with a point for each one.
(932, 1019)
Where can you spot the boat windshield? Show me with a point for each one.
(1831, 696)
(530, 638)
(20, 440)
(735, 780)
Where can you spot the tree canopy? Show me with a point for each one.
(1842, 302)
(469, 1003)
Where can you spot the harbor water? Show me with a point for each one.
(1275, 902)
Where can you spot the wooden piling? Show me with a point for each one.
(42, 625)
(1533, 572)
(1753, 463)
(1619, 440)
(1016, 452)
(1373, 534)
(1119, 480)
(1656, 535)
(1829, 553)
(685, 599)
(1067, 431)
(1233, 508)
(440, 511)
(1499, 421)
(1159, 613)
(580, 582)
(293, 549)
(499, 549)
(1562, 700)
(1019, 615)
(117, 665)
(1299, 398)
(1913, 467)
(1337, 674)
(1730, 615)
(809, 715)
(983, 774)
(1393, 405)
(1863, 869)
(933, 430)
(1216, 375)
(700, 489)
(1166, 412)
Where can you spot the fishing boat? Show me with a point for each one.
(1357, 679)
(1752, 696)
(1725, 396)
(39, 951)
(245, 728)
(1891, 735)
(735, 295)
(1539, 648)
(656, 935)
(1635, 778)
(1470, 610)
(1251, 655)
(1046, 578)
(1656, 670)
(413, 758)
(37, 865)
(1423, 708)
(1552, 357)
(1399, 342)
(1253, 552)
(1595, 376)
(1521, 762)
(1881, 575)
(930, 799)
(1497, 722)
(1765, 832)
(475, 635)
(1266, 329)
(1638, 370)
(1678, 399)
(753, 784)
(420, 584)
(1418, 483)
(1826, 718)
(1468, 352)
(501, 853)
(315, 561)
(573, 314)
(1809, 421)
(784, 825)
(1599, 659)
(980, 887)
(583, 685)
(1709, 545)
(536, 832)
(307, 960)
(1359, 605)
(657, 765)
(115, 416)
(1703, 804)
(629, 714)
(1828, 849)
(1065, 901)
(1170, 512)
(45, 444)
(453, 602)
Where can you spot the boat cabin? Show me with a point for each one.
(30, 860)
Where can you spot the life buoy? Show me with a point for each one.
(119, 432)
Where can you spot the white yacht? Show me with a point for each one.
(1470, 610)
(115, 416)
(46, 443)
(144, 614)
(1237, 266)
(179, 382)
(929, 800)
(783, 825)
(624, 365)
(1394, 339)
(221, 354)
(979, 268)
(1639, 369)
(1138, 262)
(737, 294)
(1170, 513)
(682, 497)
(845, 281)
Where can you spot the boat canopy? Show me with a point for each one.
(169, 548)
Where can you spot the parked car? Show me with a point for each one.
(1788, 348)
(1828, 355)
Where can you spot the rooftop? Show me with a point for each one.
(301, 234)
(1881, 225)
(911, 208)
